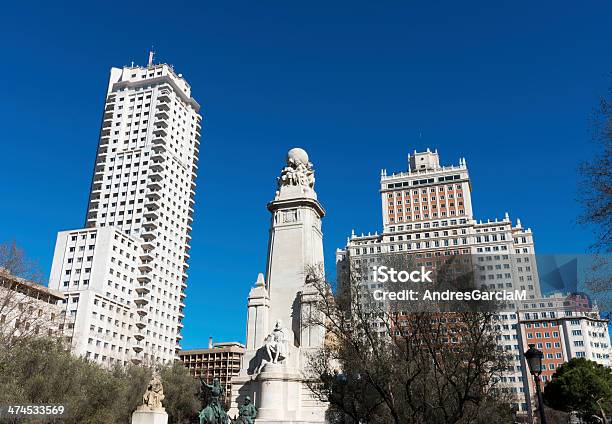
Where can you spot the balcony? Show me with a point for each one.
(150, 225)
(153, 185)
(146, 256)
(162, 115)
(164, 96)
(153, 195)
(144, 279)
(141, 311)
(140, 325)
(148, 245)
(151, 214)
(155, 176)
(160, 149)
(160, 132)
(142, 289)
(137, 349)
(145, 267)
(157, 166)
(139, 336)
(150, 205)
(149, 236)
(161, 123)
(163, 106)
(141, 300)
(158, 158)
(158, 142)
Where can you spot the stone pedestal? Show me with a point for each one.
(144, 415)
(279, 393)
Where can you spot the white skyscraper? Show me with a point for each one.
(125, 273)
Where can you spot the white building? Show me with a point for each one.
(125, 273)
(427, 212)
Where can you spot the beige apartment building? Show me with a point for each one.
(28, 309)
(219, 360)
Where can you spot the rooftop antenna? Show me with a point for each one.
(151, 55)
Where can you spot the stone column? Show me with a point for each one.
(257, 314)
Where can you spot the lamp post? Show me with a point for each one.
(534, 361)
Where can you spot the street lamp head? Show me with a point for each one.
(534, 359)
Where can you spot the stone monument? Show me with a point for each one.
(151, 411)
(278, 341)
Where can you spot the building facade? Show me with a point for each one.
(124, 274)
(28, 310)
(219, 360)
(427, 212)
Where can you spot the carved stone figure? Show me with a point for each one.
(154, 395)
(298, 171)
(277, 343)
(247, 412)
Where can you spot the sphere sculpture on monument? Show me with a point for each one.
(298, 170)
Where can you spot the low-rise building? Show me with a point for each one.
(28, 309)
(219, 360)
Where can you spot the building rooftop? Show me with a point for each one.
(29, 287)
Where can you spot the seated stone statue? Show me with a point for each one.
(277, 343)
(154, 395)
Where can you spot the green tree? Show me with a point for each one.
(42, 371)
(583, 386)
(181, 391)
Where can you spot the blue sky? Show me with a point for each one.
(359, 85)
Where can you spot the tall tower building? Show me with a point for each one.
(125, 272)
(427, 212)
